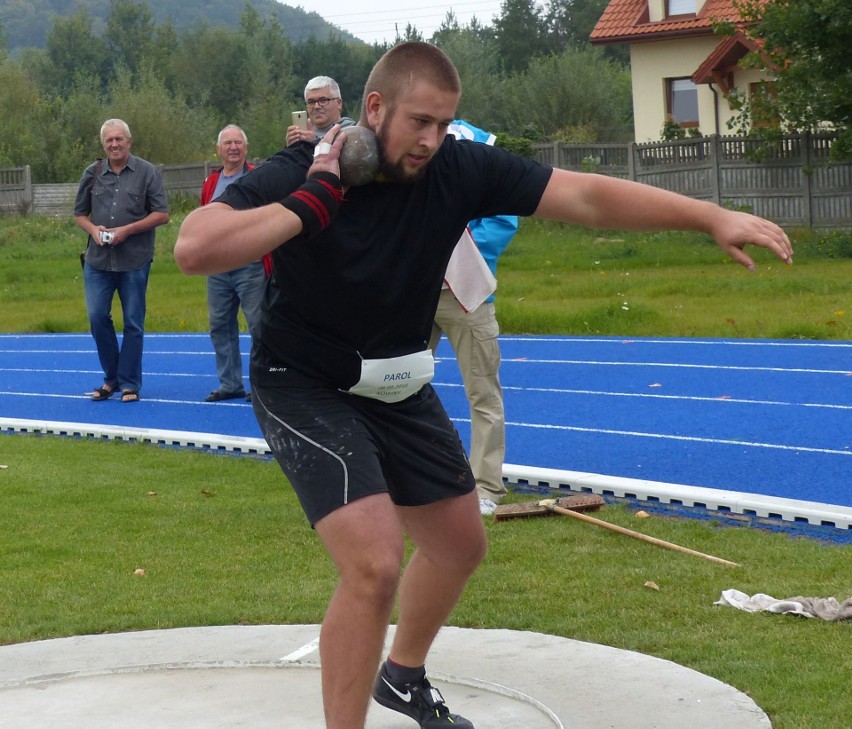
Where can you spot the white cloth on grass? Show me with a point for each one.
(826, 608)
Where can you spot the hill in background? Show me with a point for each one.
(27, 24)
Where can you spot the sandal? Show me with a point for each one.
(103, 393)
(129, 396)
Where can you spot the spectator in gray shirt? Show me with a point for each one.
(120, 201)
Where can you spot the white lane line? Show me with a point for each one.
(87, 396)
(508, 339)
(695, 398)
(677, 365)
(148, 352)
(22, 370)
(663, 436)
(86, 335)
(301, 652)
(510, 388)
(688, 342)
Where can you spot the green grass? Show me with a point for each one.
(223, 540)
(556, 279)
(219, 539)
(553, 279)
(41, 282)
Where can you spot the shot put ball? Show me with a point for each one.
(359, 160)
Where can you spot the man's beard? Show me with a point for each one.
(395, 171)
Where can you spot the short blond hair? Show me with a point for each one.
(406, 64)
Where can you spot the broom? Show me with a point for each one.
(573, 506)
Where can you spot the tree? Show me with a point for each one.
(520, 33)
(250, 23)
(165, 129)
(577, 95)
(164, 48)
(410, 34)
(263, 111)
(73, 50)
(476, 56)
(804, 47)
(69, 127)
(21, 102)
(130, 34)
(449, 26)
(570, 23)
(213, 68)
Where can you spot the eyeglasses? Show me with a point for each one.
(322, 101)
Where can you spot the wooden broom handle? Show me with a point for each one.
(635, 535)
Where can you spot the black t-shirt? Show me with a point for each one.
(368, 286)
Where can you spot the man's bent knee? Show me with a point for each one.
(474, 555)
(375, 582)
(365, 542)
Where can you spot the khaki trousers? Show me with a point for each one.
(473, 336)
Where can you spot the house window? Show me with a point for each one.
(682, 101)
(762, 95)
(681, 7)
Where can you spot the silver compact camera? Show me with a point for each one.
(107, 236)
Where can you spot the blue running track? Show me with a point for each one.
(761, 418)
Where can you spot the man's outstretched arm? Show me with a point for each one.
(604, 202)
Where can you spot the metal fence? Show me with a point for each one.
(20, 196)
(16, 190)
(793, 184)
(796, 185)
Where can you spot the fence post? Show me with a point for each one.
(806, 140)
(631, 161)
(716, 169)
(29, 193)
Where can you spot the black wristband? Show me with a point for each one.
(316, 202)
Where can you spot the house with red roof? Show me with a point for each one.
(681, 68)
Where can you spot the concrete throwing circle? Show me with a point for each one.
(267, 676)
(176, 697)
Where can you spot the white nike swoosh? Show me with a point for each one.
(404, 696)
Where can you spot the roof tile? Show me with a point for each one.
(627, 21)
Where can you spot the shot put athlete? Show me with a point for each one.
(353, 293)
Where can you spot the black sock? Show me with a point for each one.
(403, 674)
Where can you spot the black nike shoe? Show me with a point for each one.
(419, 700)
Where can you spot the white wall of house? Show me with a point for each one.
(652, 63)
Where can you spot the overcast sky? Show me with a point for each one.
(375, 21)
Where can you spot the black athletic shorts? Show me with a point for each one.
(335, 447)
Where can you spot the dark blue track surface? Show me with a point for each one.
(756, 416)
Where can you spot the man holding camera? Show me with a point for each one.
(120, 202)
(325, 109)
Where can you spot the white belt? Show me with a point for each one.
(394, 378)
